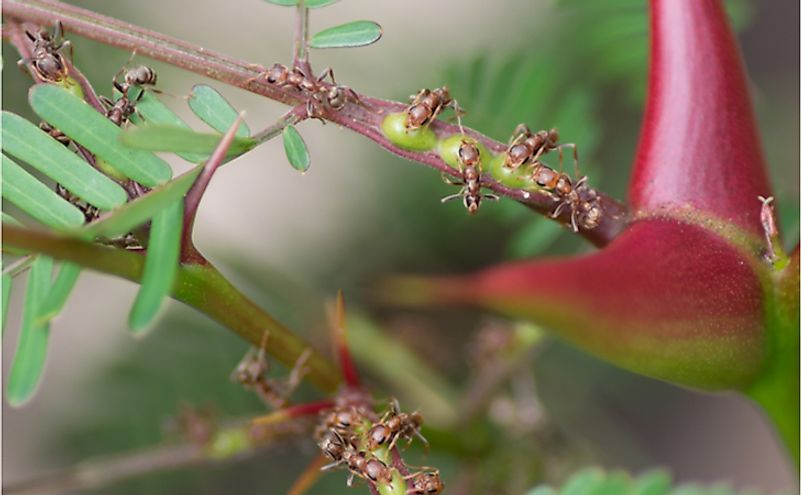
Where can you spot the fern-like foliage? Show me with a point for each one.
(95, 202)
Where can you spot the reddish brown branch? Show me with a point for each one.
(364, 118)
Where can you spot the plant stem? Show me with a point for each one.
(364, 117)
(297, 114)
(200, 286)
(300, 57)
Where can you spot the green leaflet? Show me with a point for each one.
(212, 108)
(30, 144)
(91, 129)
(58, 294)
(349, 35)
(36, 199)
(295, 148)
(178, 139)
(29, 359)
(161, 265)
(154, 113)
(139, 211)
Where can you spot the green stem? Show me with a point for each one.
(777, 391)
(201, 286)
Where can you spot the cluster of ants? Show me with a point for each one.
(351, 436)
(48, 64)
(525, 149)
(319, 93)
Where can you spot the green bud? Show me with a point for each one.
(109, 170)
(72, 86)
(449, 150)
(394, 127)
(228, 443)
(518, 178)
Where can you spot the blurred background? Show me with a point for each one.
(290, 241)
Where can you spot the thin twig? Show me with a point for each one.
(297, 114)
(300, 57)
(364, 117)
(98, 473)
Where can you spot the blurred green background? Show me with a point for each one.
(290, 241)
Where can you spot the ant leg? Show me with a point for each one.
(332, 465)
(415, 99)
(124, 67)
(521, 132)
(328, 72)
(492, 197)
(558, 210)
(458, 112)
(452, 197)
(298, 372)
(104, 100)
(263, 346)
(58, 31)
(68, 44)
(451, 182)
(575, 157)
(23, 65)
(574, 220)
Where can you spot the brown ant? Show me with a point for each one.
(251, 373)
(393, 425)
(424, 483)
(118, 112)
(427, 105)
(55, 133)
(90, 213)
(580, 198)
(469, 160)
(341, 451)
(323, 94)
(527, 147)
(342, 420)
(140, 75)
(48, 63)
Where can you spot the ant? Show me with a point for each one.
(48, 63)
(55, 133)
(427, 104)
(251, 373)
(118, 112)
(332, 95)
(469, 160)
(90, 213)
(527, 147)
(424, 483)
(341, 452)
(342, 420)
(580, 198)
(393, 425)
